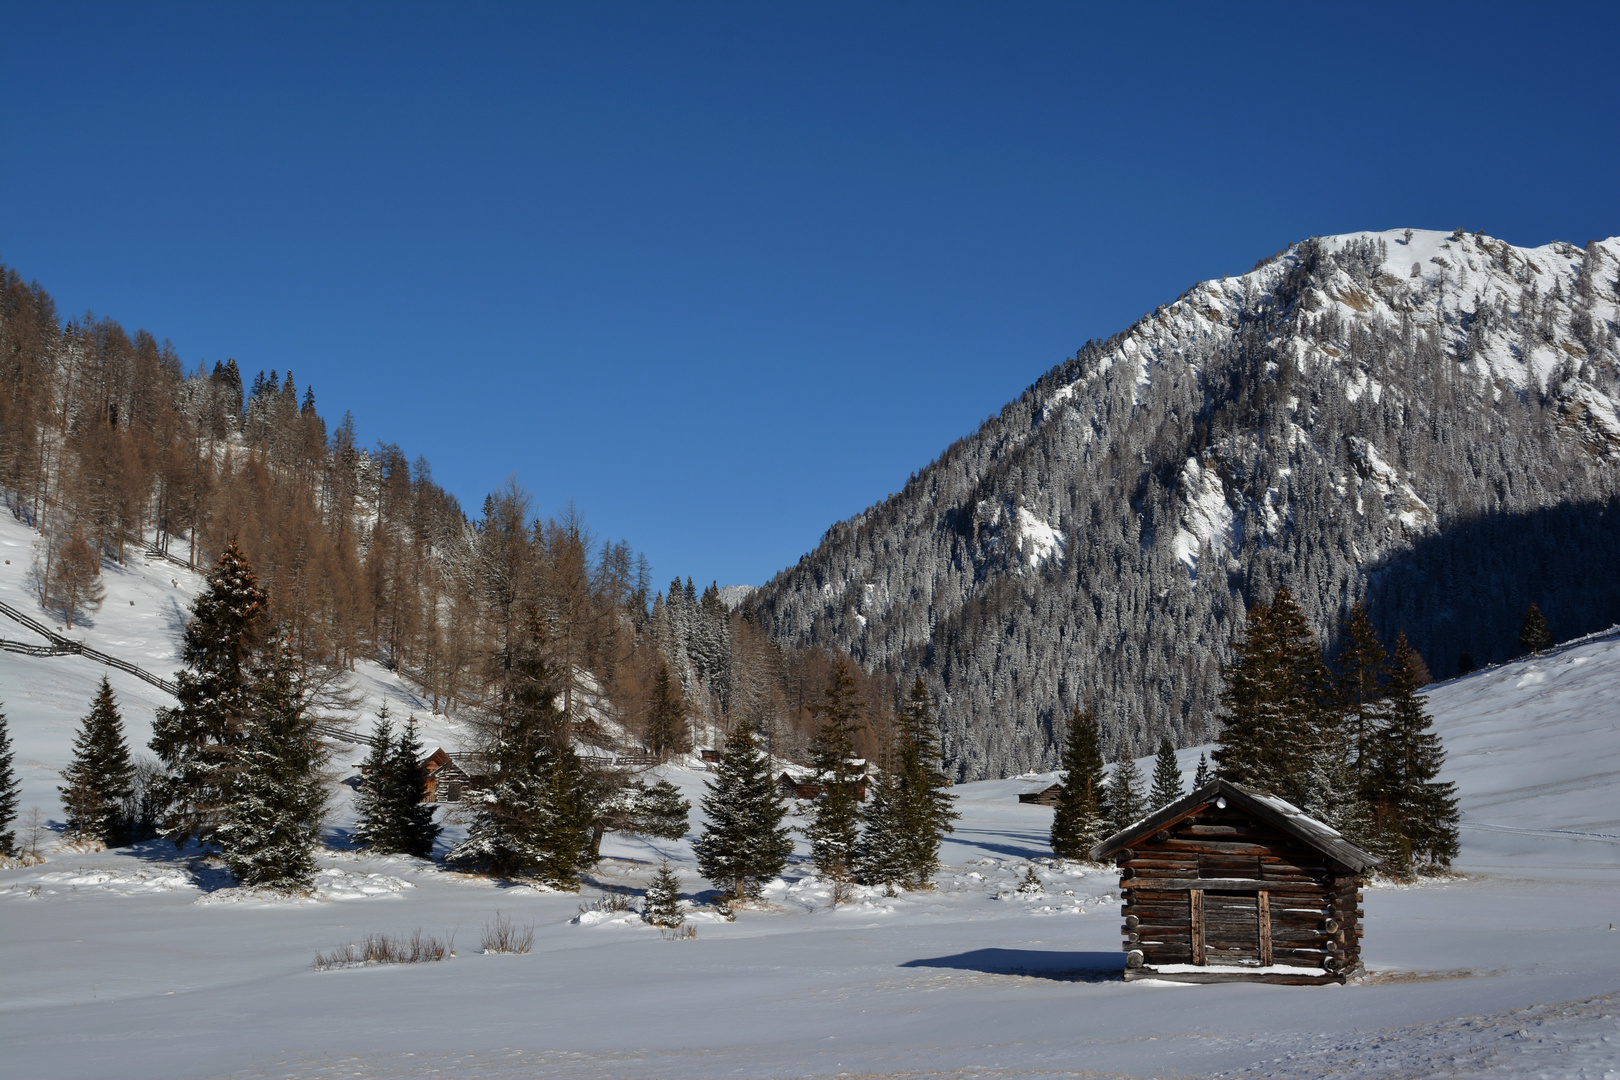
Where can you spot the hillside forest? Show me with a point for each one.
(112, 449)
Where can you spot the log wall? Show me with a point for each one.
(1219, 887)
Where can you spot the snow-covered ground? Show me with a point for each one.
(141, 963)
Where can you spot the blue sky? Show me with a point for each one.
(724, 274)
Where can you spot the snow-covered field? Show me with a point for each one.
(139, 963)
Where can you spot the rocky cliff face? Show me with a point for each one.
(1422, 421)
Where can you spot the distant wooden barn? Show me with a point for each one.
(446, 781)
(1042, 796)
(806, 787)
(1230, 885)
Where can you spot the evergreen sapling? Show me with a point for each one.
(745, 843)
(663, 905)
(1166, 776)
(100, 779)
(1535, 636)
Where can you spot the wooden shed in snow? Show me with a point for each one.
(1230, 885)
(1042, 796)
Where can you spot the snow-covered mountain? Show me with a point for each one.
(1425, 422)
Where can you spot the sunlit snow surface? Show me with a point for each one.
(145, 963)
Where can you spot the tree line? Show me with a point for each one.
(109, 445)
(1351, 743)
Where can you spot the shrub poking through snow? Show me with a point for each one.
(608, 901)
(505, 936)
(684, 932)
(663, 907)
(419, 948)
(1031, 884)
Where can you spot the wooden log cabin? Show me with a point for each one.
(1230, 885)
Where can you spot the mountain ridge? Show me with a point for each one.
(1312, 423)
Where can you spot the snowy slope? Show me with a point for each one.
(138, 963)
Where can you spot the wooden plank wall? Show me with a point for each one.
(1269, 898)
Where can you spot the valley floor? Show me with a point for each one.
(140, 963)
(136, 964)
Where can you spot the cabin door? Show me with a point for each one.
(1231, 928)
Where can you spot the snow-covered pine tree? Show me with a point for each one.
(1534, 635)
(925, 809)
(833, 829)
(658, 809)
(271, 827)
(373, 824)
(1081, 818)
(1363, 666)
(745, 843)
(1166, 776)
(1204, 774)
(534, 818)
(1125, 805)
(663, 906)
(199, 740)
(880, 852)
(100, 778)
(9, 790)
(1414, 813)
(414, 827)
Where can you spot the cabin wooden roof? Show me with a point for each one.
(1281, 815)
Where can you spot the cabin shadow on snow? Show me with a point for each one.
(1034, 964)
(1465, 590)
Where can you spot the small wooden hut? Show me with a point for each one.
(1042, 796)
(446, 780)
(1230, 885)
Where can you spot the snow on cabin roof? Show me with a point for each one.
(1279, 813)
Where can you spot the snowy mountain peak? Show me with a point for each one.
(1347, 418)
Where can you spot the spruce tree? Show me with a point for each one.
(1204, 773)
(1277, 703)
(9, 791)
(657, 809)
(1166, 777)
(535, 818)
(663, 906)
(1363, 666)
(414, 827)
(1125, 805)
(744, 843)
(271, 827)
(1081, 818)
(667, 733)
(374, 823)
(1534, 635)
(1415, 814)
(880, 853)
(201, 739)
(833, 830)
(924, 808)
(101, 777)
